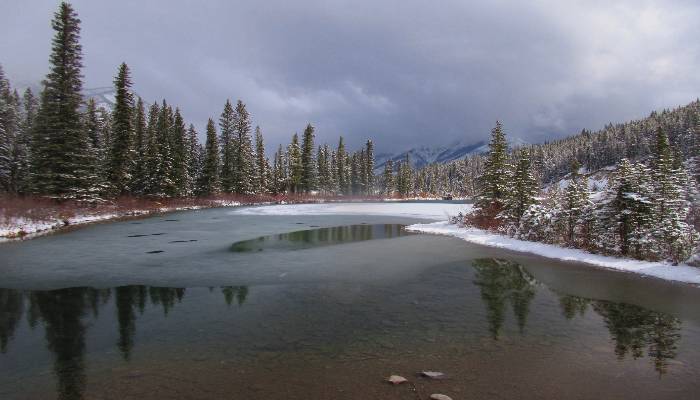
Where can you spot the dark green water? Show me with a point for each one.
(325, 307)
(309, 238)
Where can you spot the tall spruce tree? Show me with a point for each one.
(227, 126)
(93, 127)
(294, 165)
(244, 159)
(164, 178)
(493, 183)
(321, 165)
(152, 156)
(279, 184)
(210, 184)
(673, 235)
(342, 168)
(138, 174)
(309, 178)
(61, 161)
(626, 212)
(369, 168)
(178, 140)
(194, 167)
(8, 133)
(523, 188)
(121, 157)
(388, 178)
(21, 150)
(333, 182)
(262, 167)
(575, 204)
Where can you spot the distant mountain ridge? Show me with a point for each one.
(424, 155)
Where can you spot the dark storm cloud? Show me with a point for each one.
(403, 72)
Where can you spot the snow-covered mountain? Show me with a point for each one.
(104, 97)
(422, 156)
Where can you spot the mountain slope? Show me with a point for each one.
(422, 156)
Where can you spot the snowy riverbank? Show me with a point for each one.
(678, 273)
(25, 228)
(435, 211)
(439, 211)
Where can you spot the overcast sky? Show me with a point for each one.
(402, 72)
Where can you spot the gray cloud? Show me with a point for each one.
(402, 72)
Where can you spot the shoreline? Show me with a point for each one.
(23, 227)
(681, 273)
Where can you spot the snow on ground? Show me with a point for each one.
(431, 211)
(678, 273)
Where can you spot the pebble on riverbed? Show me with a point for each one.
(432, 374)
(438, 396)
(396, 379)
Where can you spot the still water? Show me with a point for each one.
(211, 304)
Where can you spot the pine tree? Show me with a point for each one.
(388, 180)
(195, 165)
(164, 177)
(523, 189)
(262, 166)
(333, 185)
(493, 183)
(369, 162)
(279, 183)
(244, 160)
(92, 125)
(673, 235)
(406, 180)
(21, 150)
(626, 212)
(60, 160)
(321, 164)
(294, 165)
(210, 184)
(178, 144)
(342, 168)
(138, 174)
(362, 172)
(227, 122)
(309, 177)
(152, 156)
(576, 201)
(121, 156)
(8, 133)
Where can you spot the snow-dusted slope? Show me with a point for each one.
(422, 156)
(104, 97)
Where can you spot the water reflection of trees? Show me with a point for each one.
(66, 313)
(502, 282)
(320, 237)
(238, 292)
(635, 330)
(11, 309)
